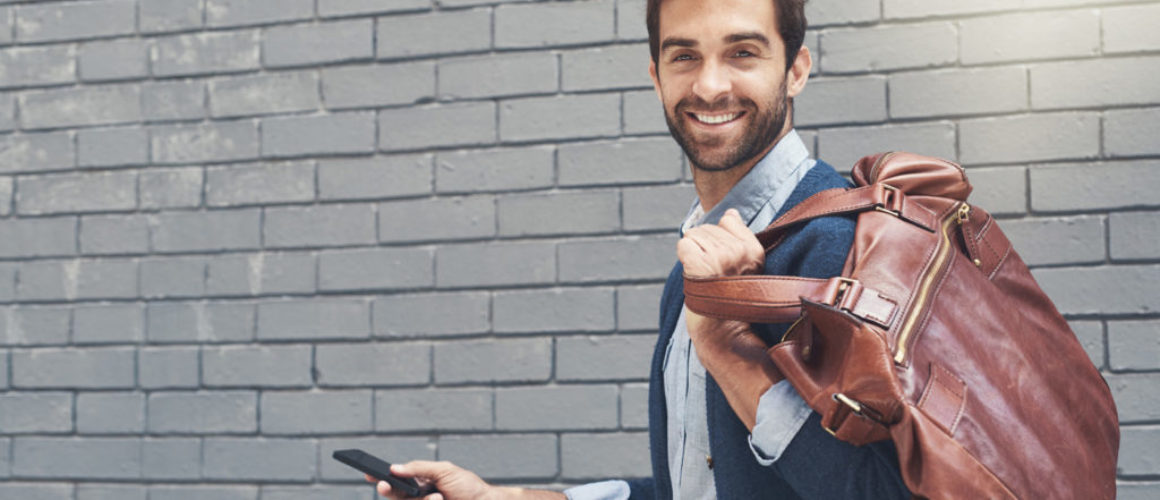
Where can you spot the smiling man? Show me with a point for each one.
(721, 422)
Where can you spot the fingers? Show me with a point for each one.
(732, 223)
(725, 249)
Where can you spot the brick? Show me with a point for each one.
(1094, 83)
(628, 258)
(319, 225)
(495, 264)
(113, 234)
(173, 277)
(75, 20)
(830, 12)
(1138, 455)
(204, 231)
(84, 192)
(1133, 235)
(494, 169)
(105, 279)
(498, 75)
(1029, 36)
(205, 53)
(379, 177)
(842, 147)
(559, 117)
(270, 272)
(438, 219)
(168, 367)
(542, 25)
(1101, 290)
(562, 407)
(396, 35)
(927, 8)
(234, 274)
(400, 410)
(173, 100)
(113, 60)
(196, 492)
(617, 66)
(1058, 240)
(171, 188)
(638, 307)
(1125, 132)
(460, 124)
(895, 47)
(634, 406)
(6, 192)
(412, 447)
(110, 492)
(394, 269)
(630, 23)
(432, 315)
(364, 364)
(569, 212)
(259, 459)
(262, 94)
(515, 456)
(316, 412)
(112, 147)
(598, 456)
(622, 162)
(169, 15)
(36, 491)
(378, 85)
(47, 280)
(958, 92)
(108, 323)
(604, 358)
(36, 412)
(314, 319)
(660, 207)
(6, 462)
(492, 360)
(308, 44)
(47, 65)
(111, 413)
(33, 152)
(845, 101)
(643, 113)
(1000, 190)
(88, 368)
(225, 13)
(1094, 186)
(1091, 337)
(315, 492)
(1134, 345)
(1126, 29)
(7, 112)
(210, 142)
(8, 281)
(249, 366)
(554, 310)
(79, 458)
(1026, 138)
(353, 7)
(6, 16)
(37, 325)
(207, 323)
(318, 134)
(1142, 490)
(82, 106)
(259, 183)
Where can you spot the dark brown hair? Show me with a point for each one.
(791, 25)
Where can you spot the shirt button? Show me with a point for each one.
(709, 461)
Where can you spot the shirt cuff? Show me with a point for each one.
(604, 490)
(780, 415)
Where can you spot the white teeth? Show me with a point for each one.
(715, 119)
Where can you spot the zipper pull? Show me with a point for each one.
(964, 214)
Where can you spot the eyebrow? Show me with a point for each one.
(734, 38)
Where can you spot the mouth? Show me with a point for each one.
(716, 118)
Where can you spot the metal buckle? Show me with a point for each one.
(895, 195)
(855, 408)
(844, 284)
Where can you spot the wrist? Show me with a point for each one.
(517, 493)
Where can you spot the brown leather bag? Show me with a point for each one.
(935, 336)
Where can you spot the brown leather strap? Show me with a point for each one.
(777, 299)
(847, 201)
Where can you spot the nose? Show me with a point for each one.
(712, 81)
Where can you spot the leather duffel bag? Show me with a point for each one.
(936, 336)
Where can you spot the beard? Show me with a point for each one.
(765, 123)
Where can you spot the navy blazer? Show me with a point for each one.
(814, 464)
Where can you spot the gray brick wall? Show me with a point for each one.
(236, 235)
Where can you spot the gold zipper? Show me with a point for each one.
(959, 217)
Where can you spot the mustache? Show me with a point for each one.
(722, 104)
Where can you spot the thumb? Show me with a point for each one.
(421, 468)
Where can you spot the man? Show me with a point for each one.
(726, 72)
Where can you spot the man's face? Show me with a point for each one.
(721, 77)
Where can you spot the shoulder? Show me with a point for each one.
(818, 249)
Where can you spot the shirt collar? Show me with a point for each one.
(756, 190)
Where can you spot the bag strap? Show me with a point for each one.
(838, 201)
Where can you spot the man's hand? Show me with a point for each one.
(727, 248)
(454, 483)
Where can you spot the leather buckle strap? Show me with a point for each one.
(891, 199)
(849, 295)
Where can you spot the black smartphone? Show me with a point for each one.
(381, 470)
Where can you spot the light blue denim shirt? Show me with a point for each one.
(780, 412)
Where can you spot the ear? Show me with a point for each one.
(799, 72)
(652, 73)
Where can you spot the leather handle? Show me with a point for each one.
(754, 299)
(840, 201)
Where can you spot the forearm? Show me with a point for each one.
(741, 367)
(516, 493)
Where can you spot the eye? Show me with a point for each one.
(743, 53)
(682, 57)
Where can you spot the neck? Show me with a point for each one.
(713, 185)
